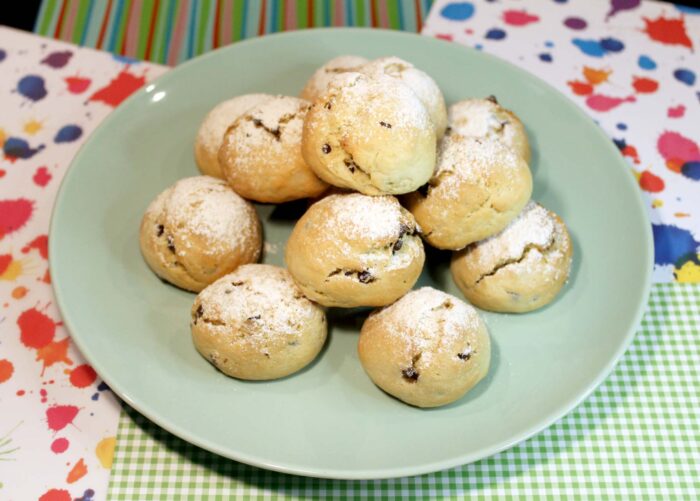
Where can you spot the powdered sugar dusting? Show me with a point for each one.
(364, 217)
(207, 207)
(319, 81)
(260, 302)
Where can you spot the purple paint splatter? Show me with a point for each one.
(575, 23)
(57, 60)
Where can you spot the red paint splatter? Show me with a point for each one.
(631, 152)
(519, 17)
(36, 328)
(60, 416)
(43, 394)
(599, 102)
(59, 445)
(56, 495)
(444, 36)
(77, 85)
(40, 243)
(54, 353)
(77, 472)
(119, 88)
(2, 173)
(20, 393)
(46, 278)
(41, 177)
(645, 85)
(676, 111)
(5, 262)
(651, 182)
(6, 370)
(14, 214)
(580, 88)
(678, 149)
(82, 376)
(668, 31)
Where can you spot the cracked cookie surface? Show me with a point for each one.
(256, 324)
(317, 85)
(428, 348)
(261, 153)
(370, 134)
(478, 187)
(521, 268)
(211, 132)
(487, 119)
(198, 230)
(352, 250)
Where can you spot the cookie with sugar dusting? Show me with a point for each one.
(479, 186)
(317, 85)
(370, 134)
(353, 250)
(198, 230)
(488, 119)
(261, 153)
(256, 324)
(428, 348)
(420, 82)
(211, 132)
(520, 269)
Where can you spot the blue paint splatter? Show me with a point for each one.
(684, 75)
(68, 134)
(32, 87)
(95, 396)
(3, 55)
(621, 126)
(549, 44)
(88, 495)
(16, 147)
(495, 34)
(478, 46)
(102, 386)
(691, 170)
(672, 244)
(687, 9)
(560, 1)
(125, 59)
(589, 47)
(646, 63)
(612, 45)
(545, 57)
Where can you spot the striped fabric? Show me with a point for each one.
(172, 31)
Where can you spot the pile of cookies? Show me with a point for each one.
(361, 134)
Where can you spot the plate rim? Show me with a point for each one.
(561, 410)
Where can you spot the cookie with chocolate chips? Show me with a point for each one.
(352, 250)
(198, 230)
(428, 348)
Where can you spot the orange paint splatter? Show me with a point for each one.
(681, 214)
(19, 292)
(631, 152)
(83, 376)
(47, 277)
(60, 416)
(77, 472)
(645, 85)
(674, 165)
(580, 88)
(651, 182)
(6, 370)
(668, 31)
(53, 353)
(119, 88)
(40, 243)
(36, 328)
(594, 76)
(56, 495)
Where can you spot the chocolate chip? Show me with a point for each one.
(385, 124)
(254, 317)
(410, 375)
(423, 190)
(237, 283)
(228, 291)
(465, 356)
(365, 277)
(397, 245)
(171, 244)
(327, 105)
(200, 311)
(448, 131)
(349, 164)
(326, 149)
(492, 98)
(159, 230)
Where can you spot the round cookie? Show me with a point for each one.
(261, 153)
(256, 324)
(370, 134)
(211, 132)
(428, 348)
(318, 83)
(353, 250)
(486, 118)
(521, 268)
(198, 230)
(478, 187)
(420, 82)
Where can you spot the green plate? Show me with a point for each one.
(330, 420)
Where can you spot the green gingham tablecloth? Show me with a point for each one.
(635, 437)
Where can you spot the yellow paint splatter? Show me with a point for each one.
(681, 214)
(105, 451)
(657, 203)
(33, 126)
(3, 136)
(12, 271)
(689, 272)
(636, 174)
(594, 76)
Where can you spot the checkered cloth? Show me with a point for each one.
(635, 437)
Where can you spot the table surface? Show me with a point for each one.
(631, 66)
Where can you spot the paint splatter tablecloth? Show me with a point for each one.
(632, 66)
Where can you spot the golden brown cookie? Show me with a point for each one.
(318, 83)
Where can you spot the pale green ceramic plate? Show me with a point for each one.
(330, 420)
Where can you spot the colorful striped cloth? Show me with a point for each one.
(172, 31)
